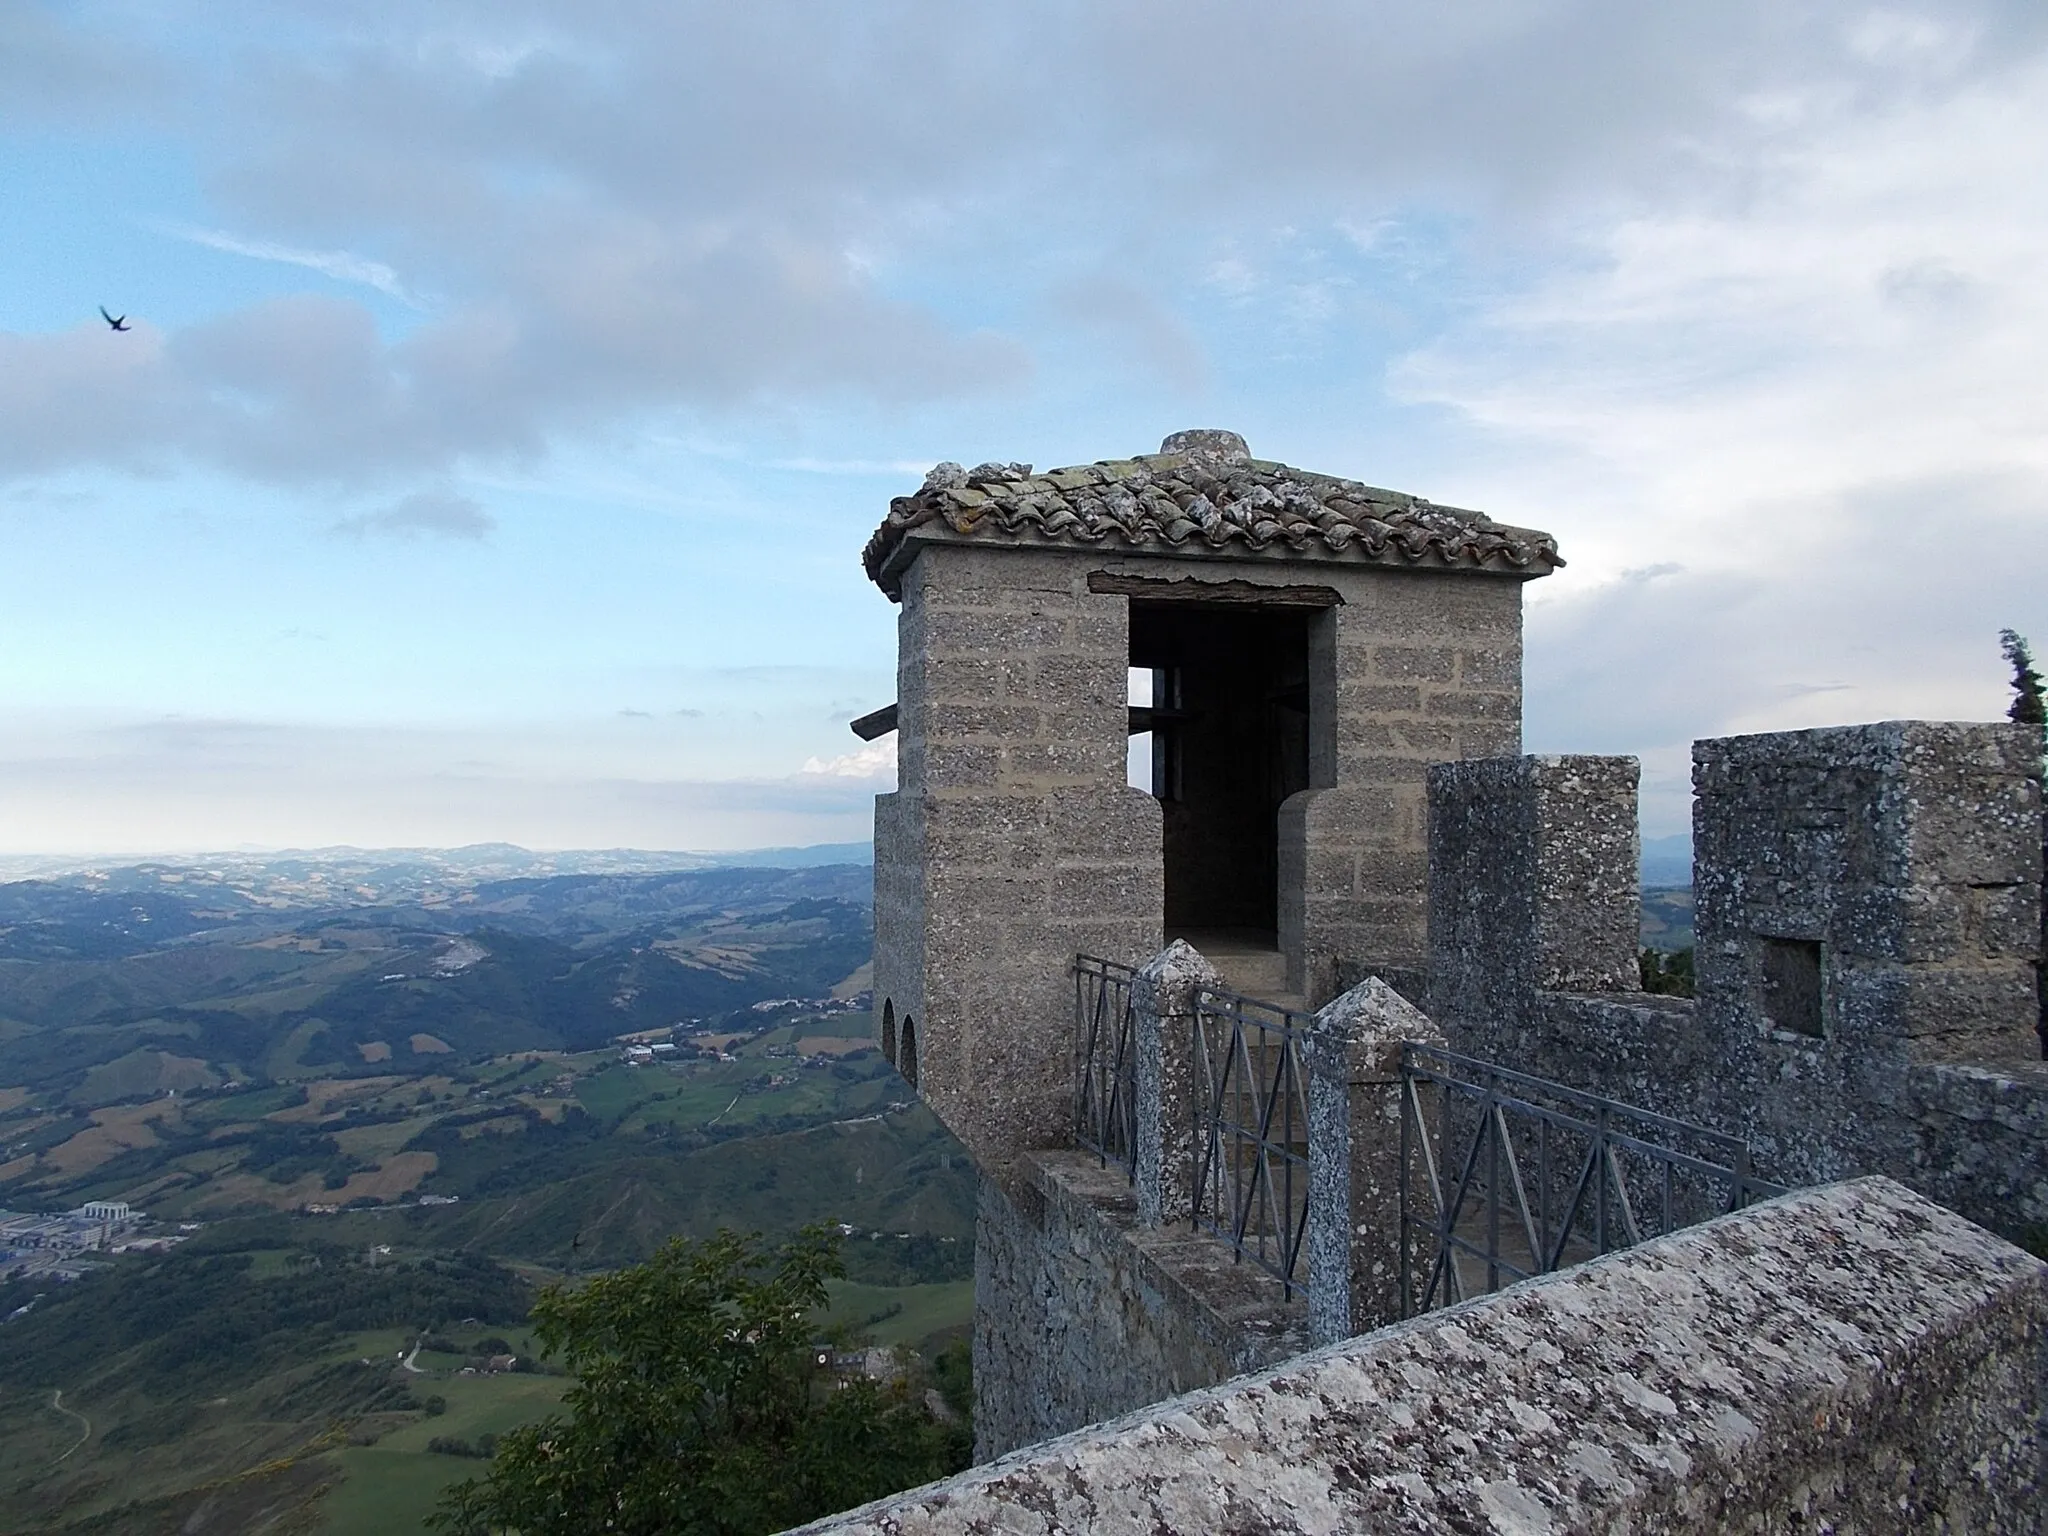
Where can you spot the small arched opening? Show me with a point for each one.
(906, 1051)
(889, 1030)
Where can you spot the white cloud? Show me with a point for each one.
(636, 209)
(875, 762)
(1741, 299)
(1819, 400)
(342, 266)
(71, 785)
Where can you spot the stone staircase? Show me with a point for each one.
(1249, 964)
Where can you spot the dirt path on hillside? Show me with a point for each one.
(57, 1402)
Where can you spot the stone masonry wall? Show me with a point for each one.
(1013, 839)
(899, 913)
(1909, 852)
(1851, 1358)
(1414, 668)
(1532, 881)
(1980, 1144)
(1896, 860)
(1899, 866)
(1082, 1312)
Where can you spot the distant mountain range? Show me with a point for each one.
(345, 875)
(383, 867)
(111, 978)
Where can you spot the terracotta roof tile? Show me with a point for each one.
(1201, 495)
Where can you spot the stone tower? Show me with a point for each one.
(1299, 648)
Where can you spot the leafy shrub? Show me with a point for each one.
(696, 1409)
(1669, 974)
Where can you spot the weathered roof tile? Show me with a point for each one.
(1201, 495)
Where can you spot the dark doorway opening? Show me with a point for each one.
(1229, 719)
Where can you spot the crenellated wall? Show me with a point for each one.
(1867, 921)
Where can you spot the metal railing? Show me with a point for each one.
(1520, 1177)
(1251, 1130)
(1105, 1062)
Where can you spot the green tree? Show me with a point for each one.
(2029, 707)
(1669, 973)
(698, 1407)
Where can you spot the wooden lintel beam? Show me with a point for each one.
(1236, 592)
(880, 723)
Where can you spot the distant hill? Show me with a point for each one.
(1667, 861)
(369, 1100)
(384, 870)
(1667, 918)
(192, 976)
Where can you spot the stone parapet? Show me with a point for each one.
(1083, 1311)
(1867, 911)
(1980, 1143)
(1847, 1358)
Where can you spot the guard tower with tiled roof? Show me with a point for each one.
(1305, 648)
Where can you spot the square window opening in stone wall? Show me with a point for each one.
(1792, 986)
(1229, 721)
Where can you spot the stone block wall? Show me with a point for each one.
(1013, 843)
(1852, 1358)
(1897, 864)
(1872, 886)
(1413, 668)
(1866, 903)
(1980, 1144)
(1083, 1312)
(899, 913)
(1532, 884)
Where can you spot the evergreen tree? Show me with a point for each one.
(2029, 707)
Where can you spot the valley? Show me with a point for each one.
(360, 1134)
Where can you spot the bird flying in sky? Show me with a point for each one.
(118, 322)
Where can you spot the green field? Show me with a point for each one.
(390, 1486)
(1667, 918)
(904, 1314)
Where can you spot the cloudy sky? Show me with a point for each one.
(511, 386)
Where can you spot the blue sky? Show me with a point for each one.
(512, 386)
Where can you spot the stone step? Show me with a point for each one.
(1249, 965)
